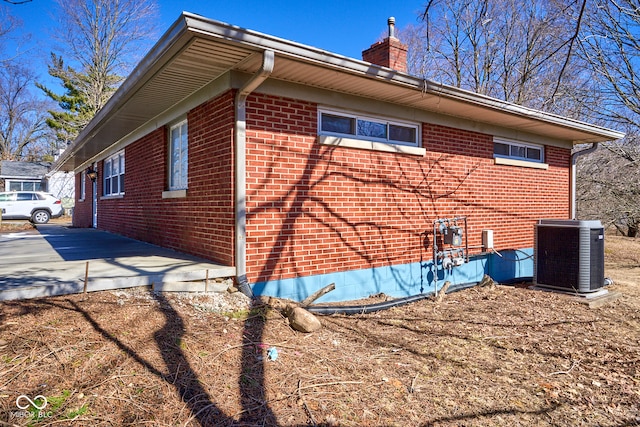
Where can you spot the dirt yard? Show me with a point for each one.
(501, 356)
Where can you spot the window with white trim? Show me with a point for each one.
(113, 175)
(506, 149)
(83, 184)
(178, 156)
(25, 186)
(369, 128)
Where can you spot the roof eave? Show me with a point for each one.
(324, 58)
(598, 133)
(166, 46)
(190, 26)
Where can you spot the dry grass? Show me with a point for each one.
(485, 356)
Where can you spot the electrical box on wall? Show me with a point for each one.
(487, 239)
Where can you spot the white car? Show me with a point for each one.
(36, 206)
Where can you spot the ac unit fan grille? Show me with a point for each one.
(558, 257)
(569, 254)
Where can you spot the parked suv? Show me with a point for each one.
(32, 205)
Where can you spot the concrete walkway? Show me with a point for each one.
(53, 261)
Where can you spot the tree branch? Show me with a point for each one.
(572, 40)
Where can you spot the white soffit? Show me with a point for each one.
(196, 51)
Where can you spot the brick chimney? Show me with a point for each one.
(390, 52)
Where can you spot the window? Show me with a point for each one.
(368, 128)
(24, 197)
(26, 186)
(178, 156)
(113, 184)
(83, 184)
(503, 148)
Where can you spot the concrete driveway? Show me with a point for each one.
(52, 260)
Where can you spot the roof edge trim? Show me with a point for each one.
(471, 97)
(139, 75)
(325, 58)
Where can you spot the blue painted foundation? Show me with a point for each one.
(401, 280)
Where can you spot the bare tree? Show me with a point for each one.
(609, 187)
(578, 58)
(8, 24)
(103, 39)
(22, 115)
(100, 40)
(508, 49)
(611, 45)
(609, 179)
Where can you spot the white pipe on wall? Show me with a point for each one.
(574, 160)
(240, 168)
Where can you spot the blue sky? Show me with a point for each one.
(345, 27)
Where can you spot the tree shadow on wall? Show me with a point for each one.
(324, 170)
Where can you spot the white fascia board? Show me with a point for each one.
(189, 26)
(328, 59)
(496, 104)
(151, 63)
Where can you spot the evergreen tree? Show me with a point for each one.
(77, 105)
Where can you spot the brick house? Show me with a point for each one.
(300, 167)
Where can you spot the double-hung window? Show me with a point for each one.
(178, 156)
(376, 129)
(113, 182)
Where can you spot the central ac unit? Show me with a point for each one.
(569, 255)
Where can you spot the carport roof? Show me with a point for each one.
(196, 51)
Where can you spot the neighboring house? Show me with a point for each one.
(301, 167)
(36, 176)
(23, 176)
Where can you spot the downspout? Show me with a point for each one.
(240, 155)
(574, 161)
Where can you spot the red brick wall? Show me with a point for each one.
(316, 209)
(82, 211)
(202, 223)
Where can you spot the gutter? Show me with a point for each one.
(240, 168)
(208, 28)
(190, 27)
(574, 161)
(462, 95)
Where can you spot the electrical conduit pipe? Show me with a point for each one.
(328, 310)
